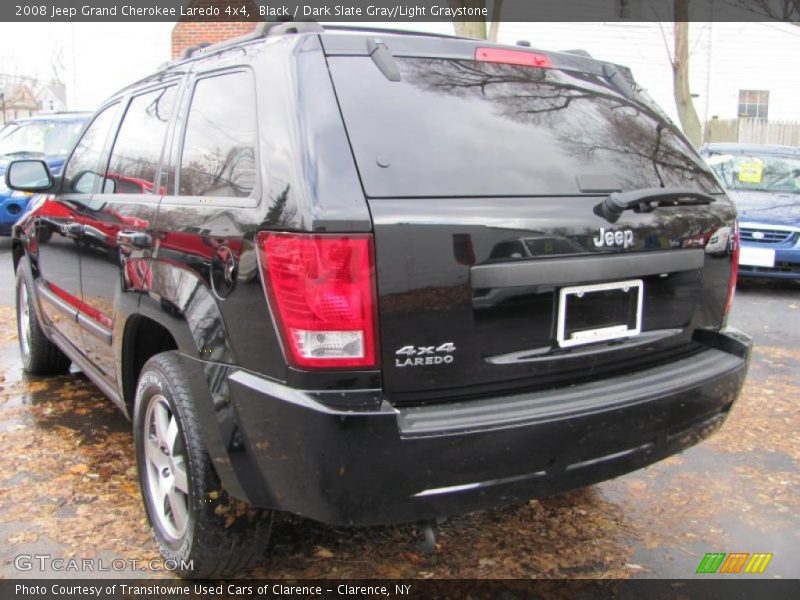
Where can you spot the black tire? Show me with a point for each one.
(221, 535)
(44, 233)
(40, 356)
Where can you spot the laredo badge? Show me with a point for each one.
(419, 356)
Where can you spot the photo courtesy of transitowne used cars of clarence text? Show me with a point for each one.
(409, 276)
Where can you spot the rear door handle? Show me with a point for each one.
(134, 239)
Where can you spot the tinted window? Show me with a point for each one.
(81, 174)
(467, 128)
(218, 157)
(137, 150)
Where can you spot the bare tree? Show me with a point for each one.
(477, 29)
(57, 64)
(497, 7)
(679, 58)
(779, 10)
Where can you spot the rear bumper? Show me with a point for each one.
(288, 451)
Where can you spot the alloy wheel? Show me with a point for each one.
(165, 458)
(24, 321)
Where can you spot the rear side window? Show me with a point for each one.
(468, 128)
(219, 146)
(133, 167)
(81, 174)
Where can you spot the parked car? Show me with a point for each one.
(50, 137)
(764, 183)
(391, 358)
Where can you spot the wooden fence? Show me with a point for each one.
(753, 131)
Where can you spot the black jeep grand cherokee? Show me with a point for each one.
(368, 277)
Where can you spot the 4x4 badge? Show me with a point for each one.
(419, 356)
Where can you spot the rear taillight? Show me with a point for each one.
(513, 57)
(322, 290)
(734, 267)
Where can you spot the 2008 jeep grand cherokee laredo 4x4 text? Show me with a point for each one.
(368, 277)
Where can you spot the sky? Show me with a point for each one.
(96, 59)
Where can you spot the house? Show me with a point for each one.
(22, 97)
(52, 97)
(186, 34)
(17, 101)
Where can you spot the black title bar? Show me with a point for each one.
(399, 10)
(733, 588)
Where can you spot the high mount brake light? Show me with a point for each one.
(513, 57)
(322, 290)
(734, 267)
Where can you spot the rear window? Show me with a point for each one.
(466, 128)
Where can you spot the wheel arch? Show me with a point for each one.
(157, 327)
(143, 338)
(17, 252)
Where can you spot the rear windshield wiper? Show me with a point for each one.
(617, 79)
(383, 59)
(646, 199)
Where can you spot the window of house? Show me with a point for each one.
(81, 174)
(219, 147)
(137, 150)
(754, 103)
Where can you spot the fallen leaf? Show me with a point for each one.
(322, 552)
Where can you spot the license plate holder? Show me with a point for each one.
(600, 312)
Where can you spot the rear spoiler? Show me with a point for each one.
(411, 44)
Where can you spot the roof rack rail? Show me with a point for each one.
(358, 28)
(191, 50)
(282, 28)
(285, 27)
(263, 29)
